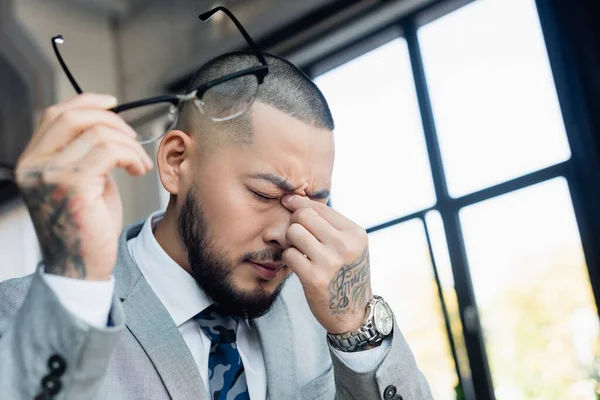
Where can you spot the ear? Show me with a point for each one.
(175, 148)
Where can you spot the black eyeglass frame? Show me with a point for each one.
(259, 71)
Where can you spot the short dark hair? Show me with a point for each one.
(285, 87)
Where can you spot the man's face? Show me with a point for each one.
(231, 220)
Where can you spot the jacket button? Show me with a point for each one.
(390, 392)
(51, 385)
(57, 365)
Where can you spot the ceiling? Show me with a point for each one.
(124, 9)
(116, 8)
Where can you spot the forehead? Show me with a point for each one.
(285, 146)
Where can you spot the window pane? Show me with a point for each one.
(493, 95)
(439, 245)
(402, 273)
(381, 169)
(533, 291)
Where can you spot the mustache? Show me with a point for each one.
(264, 256)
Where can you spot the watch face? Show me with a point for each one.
(383, 318)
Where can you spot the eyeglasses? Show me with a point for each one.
(221, 99)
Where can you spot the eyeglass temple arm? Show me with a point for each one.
(59, 39)
(173, 99)
(206, 16)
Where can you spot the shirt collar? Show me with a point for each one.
(174, 286)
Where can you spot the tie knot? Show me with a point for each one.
(219, 328)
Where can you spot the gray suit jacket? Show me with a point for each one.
(143, 355)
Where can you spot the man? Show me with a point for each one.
(248, 286)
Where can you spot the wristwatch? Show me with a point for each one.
(378, 324)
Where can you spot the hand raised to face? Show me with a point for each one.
(330, 255)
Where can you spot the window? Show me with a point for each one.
(495, 105)
(467, 103)
(403, 274)
(533, 293)
(381, 169)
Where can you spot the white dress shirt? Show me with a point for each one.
(183, 299)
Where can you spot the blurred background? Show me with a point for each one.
(467, 145)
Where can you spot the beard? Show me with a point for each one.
(212, 269)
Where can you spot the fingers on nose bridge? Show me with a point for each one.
(277, 229)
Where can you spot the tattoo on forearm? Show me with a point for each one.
(49, 206)
(350, 288)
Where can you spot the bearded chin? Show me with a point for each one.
(212, 270)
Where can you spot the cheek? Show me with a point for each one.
(235, 222)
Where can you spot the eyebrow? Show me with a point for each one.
(285, 185)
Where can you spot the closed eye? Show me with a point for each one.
(262, 198)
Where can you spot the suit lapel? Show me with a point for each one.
(278, 351)
(152, 326)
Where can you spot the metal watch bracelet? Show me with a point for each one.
(366, 334)
(355, 340)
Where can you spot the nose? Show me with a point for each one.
(277, 229)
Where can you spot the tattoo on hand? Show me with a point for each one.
(350, 288)
(49, 206)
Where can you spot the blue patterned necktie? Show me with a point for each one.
(226, 373)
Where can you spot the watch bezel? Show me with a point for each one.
(388, 312)
(367, 334)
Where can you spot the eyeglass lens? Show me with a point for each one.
(229, 99)
(151, 121)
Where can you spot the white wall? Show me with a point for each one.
(89, 47)
(90, 52)
(18, 243)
